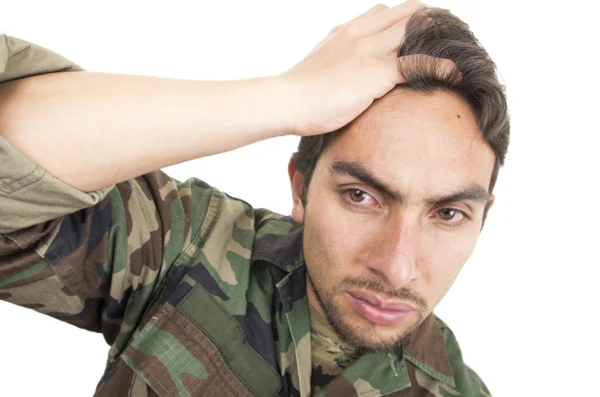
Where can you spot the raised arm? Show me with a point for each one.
(92, 130)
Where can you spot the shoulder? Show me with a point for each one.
(467, 381)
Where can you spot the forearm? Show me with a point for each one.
(92, 130)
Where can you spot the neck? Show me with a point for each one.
(314, 299)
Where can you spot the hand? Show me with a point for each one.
(354, 65)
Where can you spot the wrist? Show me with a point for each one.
(283, 98)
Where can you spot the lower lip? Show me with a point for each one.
(376, 314)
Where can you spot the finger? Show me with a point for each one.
(388, 42)
(387, 18)
(369, 13)
(376, 9)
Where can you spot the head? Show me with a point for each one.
(393, 203)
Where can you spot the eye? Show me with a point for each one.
(359, 197)
(451, 216)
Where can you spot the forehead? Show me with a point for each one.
(415, 140)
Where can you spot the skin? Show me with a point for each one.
(59, 120)
(405, 245)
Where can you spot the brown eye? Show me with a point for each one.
(357, 195)
(447, 214)
(360, 199)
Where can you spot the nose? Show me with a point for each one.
(393, 254)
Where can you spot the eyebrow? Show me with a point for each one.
(473, 192)
(355, 170)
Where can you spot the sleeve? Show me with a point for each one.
(95, 260)
(99, 268)
(28, 194)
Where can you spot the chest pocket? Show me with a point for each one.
(198, 349)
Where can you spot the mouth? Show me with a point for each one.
(377, 309)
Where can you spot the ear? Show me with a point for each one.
(296, 180)
(491, 202)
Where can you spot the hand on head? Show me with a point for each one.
(354, 65)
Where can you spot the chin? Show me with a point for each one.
(369, 338)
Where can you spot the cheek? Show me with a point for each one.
(444, 255)
(337, 239)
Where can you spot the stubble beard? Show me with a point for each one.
(366, 339)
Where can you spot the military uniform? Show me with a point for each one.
(196, 292)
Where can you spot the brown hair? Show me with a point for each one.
(438, 33)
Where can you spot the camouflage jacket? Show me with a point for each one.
(196, 292)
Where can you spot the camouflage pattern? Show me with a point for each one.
(330, 356)
(199, 294)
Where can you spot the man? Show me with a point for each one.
(198, 293)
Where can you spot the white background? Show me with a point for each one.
(525, 305)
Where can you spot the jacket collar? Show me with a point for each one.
(426, 349)
(278, 240)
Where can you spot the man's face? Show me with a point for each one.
(394, 208)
